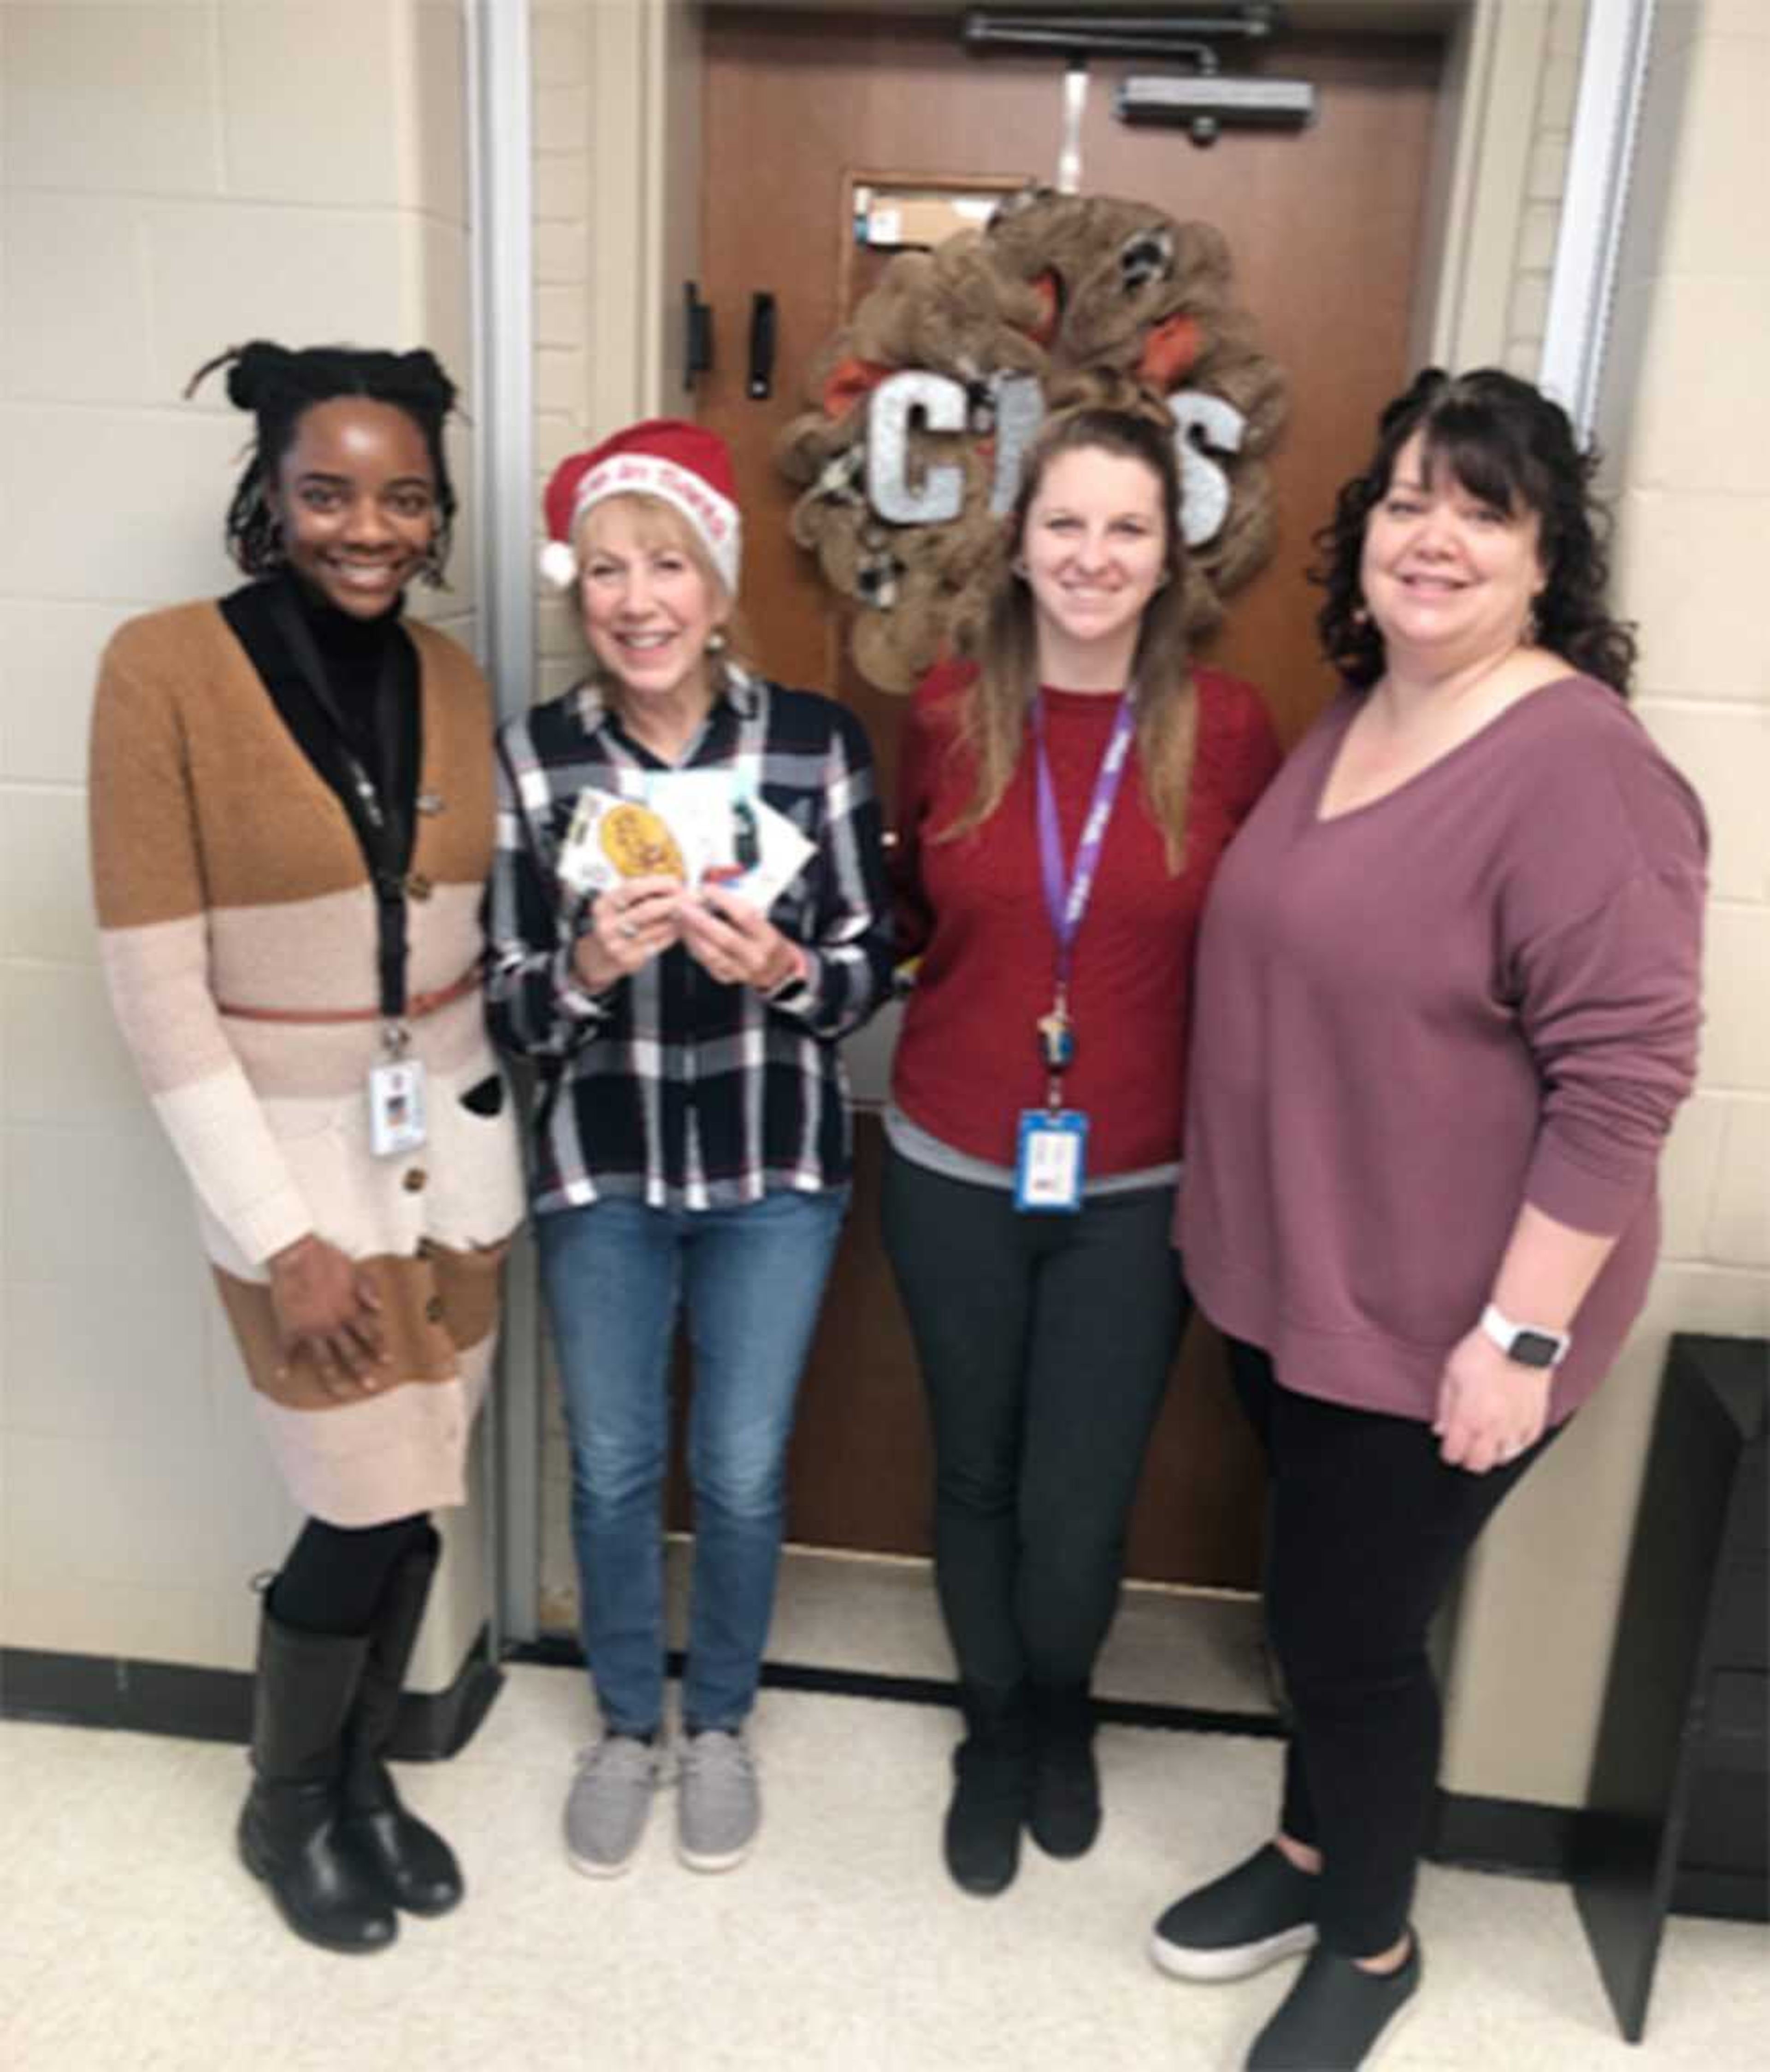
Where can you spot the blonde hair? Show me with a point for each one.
(658, 523)
(993, 709)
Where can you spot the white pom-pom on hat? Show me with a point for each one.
(558, 564)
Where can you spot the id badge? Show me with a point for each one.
(396, 1107)
(1051, 1161)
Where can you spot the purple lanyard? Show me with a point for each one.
(1066, 897)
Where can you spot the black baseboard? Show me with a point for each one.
(559, 1651)
(1516, 1836)
(215, 1705)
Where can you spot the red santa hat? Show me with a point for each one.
(688, 466)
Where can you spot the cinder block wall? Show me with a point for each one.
(174, 177)
(1686, 426)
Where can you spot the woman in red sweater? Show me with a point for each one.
(1064, 802)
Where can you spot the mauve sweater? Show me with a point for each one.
(1478, 991)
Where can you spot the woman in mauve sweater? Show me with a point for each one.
(291, 800)
(1045, 1339)
(1447, 1007)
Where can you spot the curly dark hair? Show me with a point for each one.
(279, 384)
(1509, 445)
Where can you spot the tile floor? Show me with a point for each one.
(130, 1938)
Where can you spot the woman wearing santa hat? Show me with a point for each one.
(692, 1140)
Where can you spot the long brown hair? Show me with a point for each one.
(993, 709)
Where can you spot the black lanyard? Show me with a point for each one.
(385, 837)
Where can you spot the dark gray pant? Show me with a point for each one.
(1045, 1343)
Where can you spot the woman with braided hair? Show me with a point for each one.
(292, 811)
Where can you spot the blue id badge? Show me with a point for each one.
(1050, 1160)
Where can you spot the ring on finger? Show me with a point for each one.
(629, 930)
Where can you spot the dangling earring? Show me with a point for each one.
(715, 643)
(1360, 613)
(1530, 630)
(1017, 567)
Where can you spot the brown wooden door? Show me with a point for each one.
(1325, 227)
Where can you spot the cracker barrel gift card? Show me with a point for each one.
(704, 826)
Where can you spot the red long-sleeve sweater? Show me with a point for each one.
(968, 1060)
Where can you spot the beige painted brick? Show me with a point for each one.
(562, 116)
(1530, 312)
(1546, 177)
(562, 317)
(432, 106)
(1689, 570)
(1736, 1037)
(1721, 157)
(1536, 235)
(559, 43)
(562, 186)
(45, 906)
(74, 1195)
(439, 311)
(1567, 28)
(1739, 1233)
(559, 380)
(64, 1056)
(122, 98)
(48, 660)
(557, 674)
(311, 101)
(69, 1360)
(1701, 410)
(304, 276)
(175, 1625)
(1687, 1170)
(1726, 754)
(555, 438)
(562, 254)
(124, 504)
(1523, 357)
(1559, 90)
(74, 309)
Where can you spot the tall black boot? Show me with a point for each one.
(1065, 1812)
(991, 1784)
(288, 1833)
(409, 1864)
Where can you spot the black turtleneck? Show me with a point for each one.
(376, 703)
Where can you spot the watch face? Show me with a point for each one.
(1532, 1349)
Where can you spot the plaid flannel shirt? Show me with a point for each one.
(669, 1087)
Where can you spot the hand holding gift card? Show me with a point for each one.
(706, 827)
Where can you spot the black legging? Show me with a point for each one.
(334, 1577)
(1045, 1343)
(1367, 1528)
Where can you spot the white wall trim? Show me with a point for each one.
(500, 129)
(1600, 164)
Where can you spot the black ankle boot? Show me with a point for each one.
(1065, 1810)
(407, 1862)
(992, 1785)
(287, 1829)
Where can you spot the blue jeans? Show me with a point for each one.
(750, 1281)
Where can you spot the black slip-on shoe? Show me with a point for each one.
(1257, 1914)
(1336, 2017)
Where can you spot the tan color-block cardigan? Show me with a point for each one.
(230, 885)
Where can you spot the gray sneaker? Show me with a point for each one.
(607, 1807)
(719, 1806)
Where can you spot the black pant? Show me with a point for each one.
(1367, 1529)
(335, 1575)
(1045, 1343)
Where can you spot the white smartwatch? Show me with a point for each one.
(1530, 1345)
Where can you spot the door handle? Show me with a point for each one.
(761, 347)
(697, 334)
